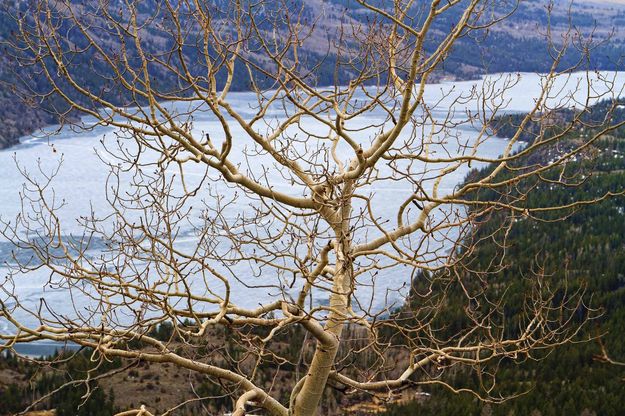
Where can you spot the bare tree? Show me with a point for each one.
(288, 199)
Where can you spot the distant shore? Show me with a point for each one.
(43, 348)
(29, 120)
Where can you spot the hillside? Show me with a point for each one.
(516, 44)
(584, 254)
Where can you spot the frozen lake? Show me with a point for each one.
(83, 176)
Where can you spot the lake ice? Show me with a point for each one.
(82, 178)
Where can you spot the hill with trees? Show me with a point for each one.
(521, 44)
(584, 254)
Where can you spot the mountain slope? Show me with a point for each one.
(516, 44)
(582, 254)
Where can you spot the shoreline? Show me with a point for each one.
(441, 79)
(41, 349)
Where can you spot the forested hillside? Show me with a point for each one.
(583, 255)
(518, 44)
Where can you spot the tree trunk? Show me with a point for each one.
(309, 397)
